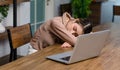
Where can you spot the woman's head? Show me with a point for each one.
(75, 28)
(87, 26)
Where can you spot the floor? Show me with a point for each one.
(5, 59)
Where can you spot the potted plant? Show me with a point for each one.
(3, 14)
(80, 8)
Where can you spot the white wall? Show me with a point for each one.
(23, 14)
(57, 5)
(107, 11)
(4, 48)
(49, 9)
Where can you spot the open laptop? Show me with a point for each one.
(87, 46)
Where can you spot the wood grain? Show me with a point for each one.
(7, 2)
(109, 58)
(94, 17)
(19, 35)
(116, 10)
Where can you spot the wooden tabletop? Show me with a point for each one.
(109, 59)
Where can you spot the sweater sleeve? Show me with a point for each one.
(60, 30)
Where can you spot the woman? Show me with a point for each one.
(63, 28)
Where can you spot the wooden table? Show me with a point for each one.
(109, 59)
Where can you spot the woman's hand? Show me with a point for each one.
(66, 45)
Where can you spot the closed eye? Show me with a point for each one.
(75, 28)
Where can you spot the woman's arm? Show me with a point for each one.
(60, 30)
(66, 45)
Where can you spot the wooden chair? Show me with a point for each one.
(65, 8)
(18, 36)
(116, 11)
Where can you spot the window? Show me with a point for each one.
(37, 14)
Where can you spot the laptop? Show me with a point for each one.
(87, 46)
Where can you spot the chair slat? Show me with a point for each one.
(20, 35)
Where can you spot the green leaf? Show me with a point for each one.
(4, 10)
(80, 8)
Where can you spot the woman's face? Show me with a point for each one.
(75, 29)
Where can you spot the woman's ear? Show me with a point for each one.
(77, 20)
(66, 17)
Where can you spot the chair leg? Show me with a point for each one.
(13, 55)
(113, 18)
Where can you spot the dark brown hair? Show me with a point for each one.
(87, 26)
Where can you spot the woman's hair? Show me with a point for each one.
(87, 26)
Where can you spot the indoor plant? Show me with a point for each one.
(80, 8)
(3, 14)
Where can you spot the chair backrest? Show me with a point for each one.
(116, 11)
(19, 35)
(65, 8)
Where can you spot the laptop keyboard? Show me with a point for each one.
(66, 58)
